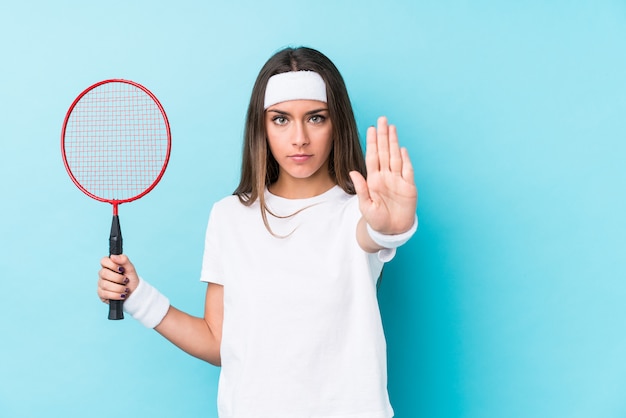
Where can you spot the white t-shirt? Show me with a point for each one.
(302, 334)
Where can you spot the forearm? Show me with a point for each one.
(366, 242)
(191, 334)
(199, 337)
(371, 241)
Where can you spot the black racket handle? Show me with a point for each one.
(115, 247)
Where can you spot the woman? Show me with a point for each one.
(292, 257)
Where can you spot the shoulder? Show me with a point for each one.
(232, 202)
(228, 201)
(229, 207)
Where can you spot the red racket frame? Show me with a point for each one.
(117, 202)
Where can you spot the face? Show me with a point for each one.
(299, 134)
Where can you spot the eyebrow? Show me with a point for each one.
(282, 112)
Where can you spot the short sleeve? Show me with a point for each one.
(211, 260)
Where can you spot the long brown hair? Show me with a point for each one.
(259, 169)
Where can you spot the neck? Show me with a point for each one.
(291, 188)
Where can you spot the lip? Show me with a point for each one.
(300, 158)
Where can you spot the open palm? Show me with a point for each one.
(388, 198)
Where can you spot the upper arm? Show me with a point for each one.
(214, 309)
(200, 337)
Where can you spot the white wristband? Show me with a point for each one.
(147, 305)
(392, 241)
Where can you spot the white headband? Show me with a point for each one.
(294, 85)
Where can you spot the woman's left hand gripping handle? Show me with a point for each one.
(117, 279)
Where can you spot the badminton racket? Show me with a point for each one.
(116, 144)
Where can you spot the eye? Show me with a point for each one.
(317, 119)
(279, 120)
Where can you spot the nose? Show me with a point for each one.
(300, 138)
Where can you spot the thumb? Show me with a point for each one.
(123, 261)
(360, 187)
(119, 258)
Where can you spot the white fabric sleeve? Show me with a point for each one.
(147, 305)
(212, 258)
(386, 254)
(392, 241)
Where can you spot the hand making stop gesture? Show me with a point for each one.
(388, 198)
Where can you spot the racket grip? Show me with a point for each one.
(115, 247)
(116, 309)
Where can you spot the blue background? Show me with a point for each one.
(509, 302)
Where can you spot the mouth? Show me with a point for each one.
(300, 158)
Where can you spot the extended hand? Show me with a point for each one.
(388, 198)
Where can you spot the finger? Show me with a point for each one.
(106, 296)
(108, 264)
(383, 143)
(371, 151)
(119, 264)
(113, 277)
(407, 167)
(395, 156)
(108, 290)
(360, 186)
(123, 261)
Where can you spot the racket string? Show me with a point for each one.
(116, 141)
